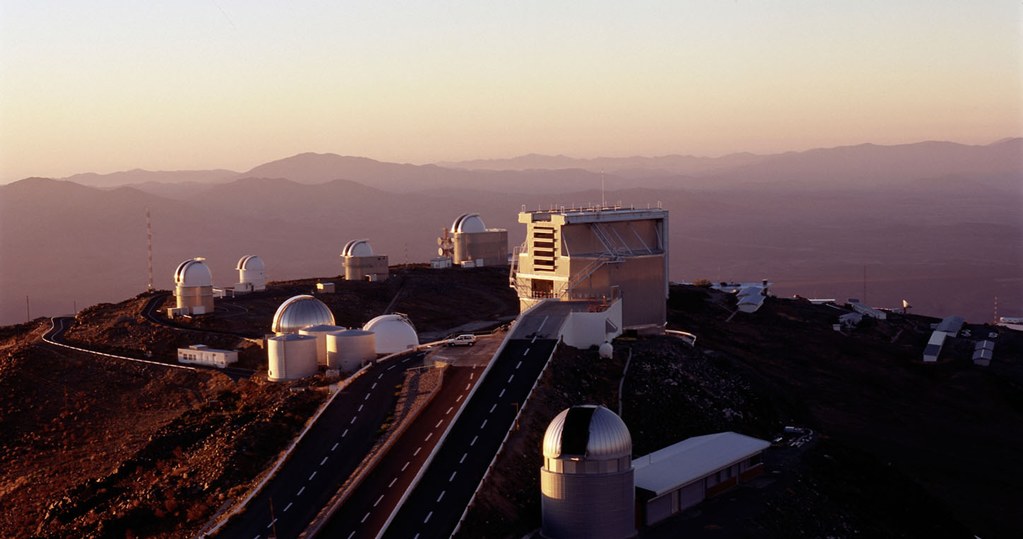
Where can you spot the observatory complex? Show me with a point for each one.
(193, 288)
(596, 253)
(472, 244)
(359, 263)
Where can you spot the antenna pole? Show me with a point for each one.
(603, 201)
(864, 284)
(149, 250)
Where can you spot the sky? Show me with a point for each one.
(104, 86)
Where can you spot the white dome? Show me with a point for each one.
(394, 333)
(193, 272)
(251, 263)
(587, 431)
(300, 312)
(357, 248)
(468, 222)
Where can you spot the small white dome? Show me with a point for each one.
(193, 272)
(468, 222)
(394, 333)
(301, 312)
(251, 263)
(357, 248)
(589, 431)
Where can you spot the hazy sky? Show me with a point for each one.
(104, 86)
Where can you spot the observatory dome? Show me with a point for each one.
(300, 312)
(193, 272)
(357, 248)
(394, 333)
(251, 263)
(589, 431)
(468, 222)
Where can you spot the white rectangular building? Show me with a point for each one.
(680, 476)
(200, 354)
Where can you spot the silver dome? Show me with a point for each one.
(299, 312)
(251, 263)
(468, 222)
(589, 431)
(193, 272)
(357, 248)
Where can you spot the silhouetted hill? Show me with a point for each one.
(138, 176)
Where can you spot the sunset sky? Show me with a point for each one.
(105, 86)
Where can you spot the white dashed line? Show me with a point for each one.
(492, 408)
(518, 365)
(391, 367)
(463, 458)
(391, 484)
(271, 524)
(459, 398)
(526, 353)
(501, 394)
(534, 339)
(428, 515)
(484, 424)
(300, 491)
(438, 423)
(324, 461)
(366, 398)
(312, 475)
(378, 377)
(332, 449)
(353, 420)
(287, 507)
(350, 535)
(360, 407)
(345, 433)
(473, 442)
(452, 478)
(471, 374)
(405, 466)
(376, 503)
(439, 498)
(449, 410)
(510, 378)
(416, 452)
(374, 386)
(428, 436)
(467, 386)
(364, 517)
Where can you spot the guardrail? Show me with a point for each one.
(53, 326)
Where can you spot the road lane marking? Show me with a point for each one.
(510, 378)
(428, 515)
(534, 340)
(542, 323)
(271, 524)
(300, 491)
(501, 394)
(526, 353)
(324, 461)
(471, 374)
(311, 476)
(405, 466)
(418, 449)
(473, 442)
(492, 408)
(391, 367)
(391, 484)
(438, 423)
(376, 503)
(518, 365)
(459, 397)
(364, 517)
(449, 410)
(467, 386)
(463, 457)
(287, 507)
(345, 433)
(406, 360)
(484, 424)
(360, 406)
(350, 535)
(332, 449)
(378, 377)
(439, 498)
(374, 386)
(428, 436)
(452, 478)
(366, 398)
(353, 420)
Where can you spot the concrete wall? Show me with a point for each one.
(490, 246)
(587, 506)
(585, 329)
(358, 268)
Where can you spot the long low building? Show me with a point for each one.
(200, 354)
(680, 476)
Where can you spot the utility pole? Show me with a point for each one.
(28, 311)
(149, 250)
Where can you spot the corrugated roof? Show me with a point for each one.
(691, 459)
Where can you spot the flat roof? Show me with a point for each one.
(589, 214)
(951, 324)
(691, 459)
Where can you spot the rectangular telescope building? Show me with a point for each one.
(596, 253)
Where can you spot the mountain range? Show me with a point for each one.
(936, 223)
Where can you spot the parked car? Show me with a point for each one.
(463, 340)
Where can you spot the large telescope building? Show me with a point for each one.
(596, 253)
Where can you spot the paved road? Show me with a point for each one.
(435, 505)
(55, 337)
(325, 457)
(371, 503)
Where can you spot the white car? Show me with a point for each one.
(463, 340)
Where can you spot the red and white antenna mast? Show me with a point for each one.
(149, 250)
